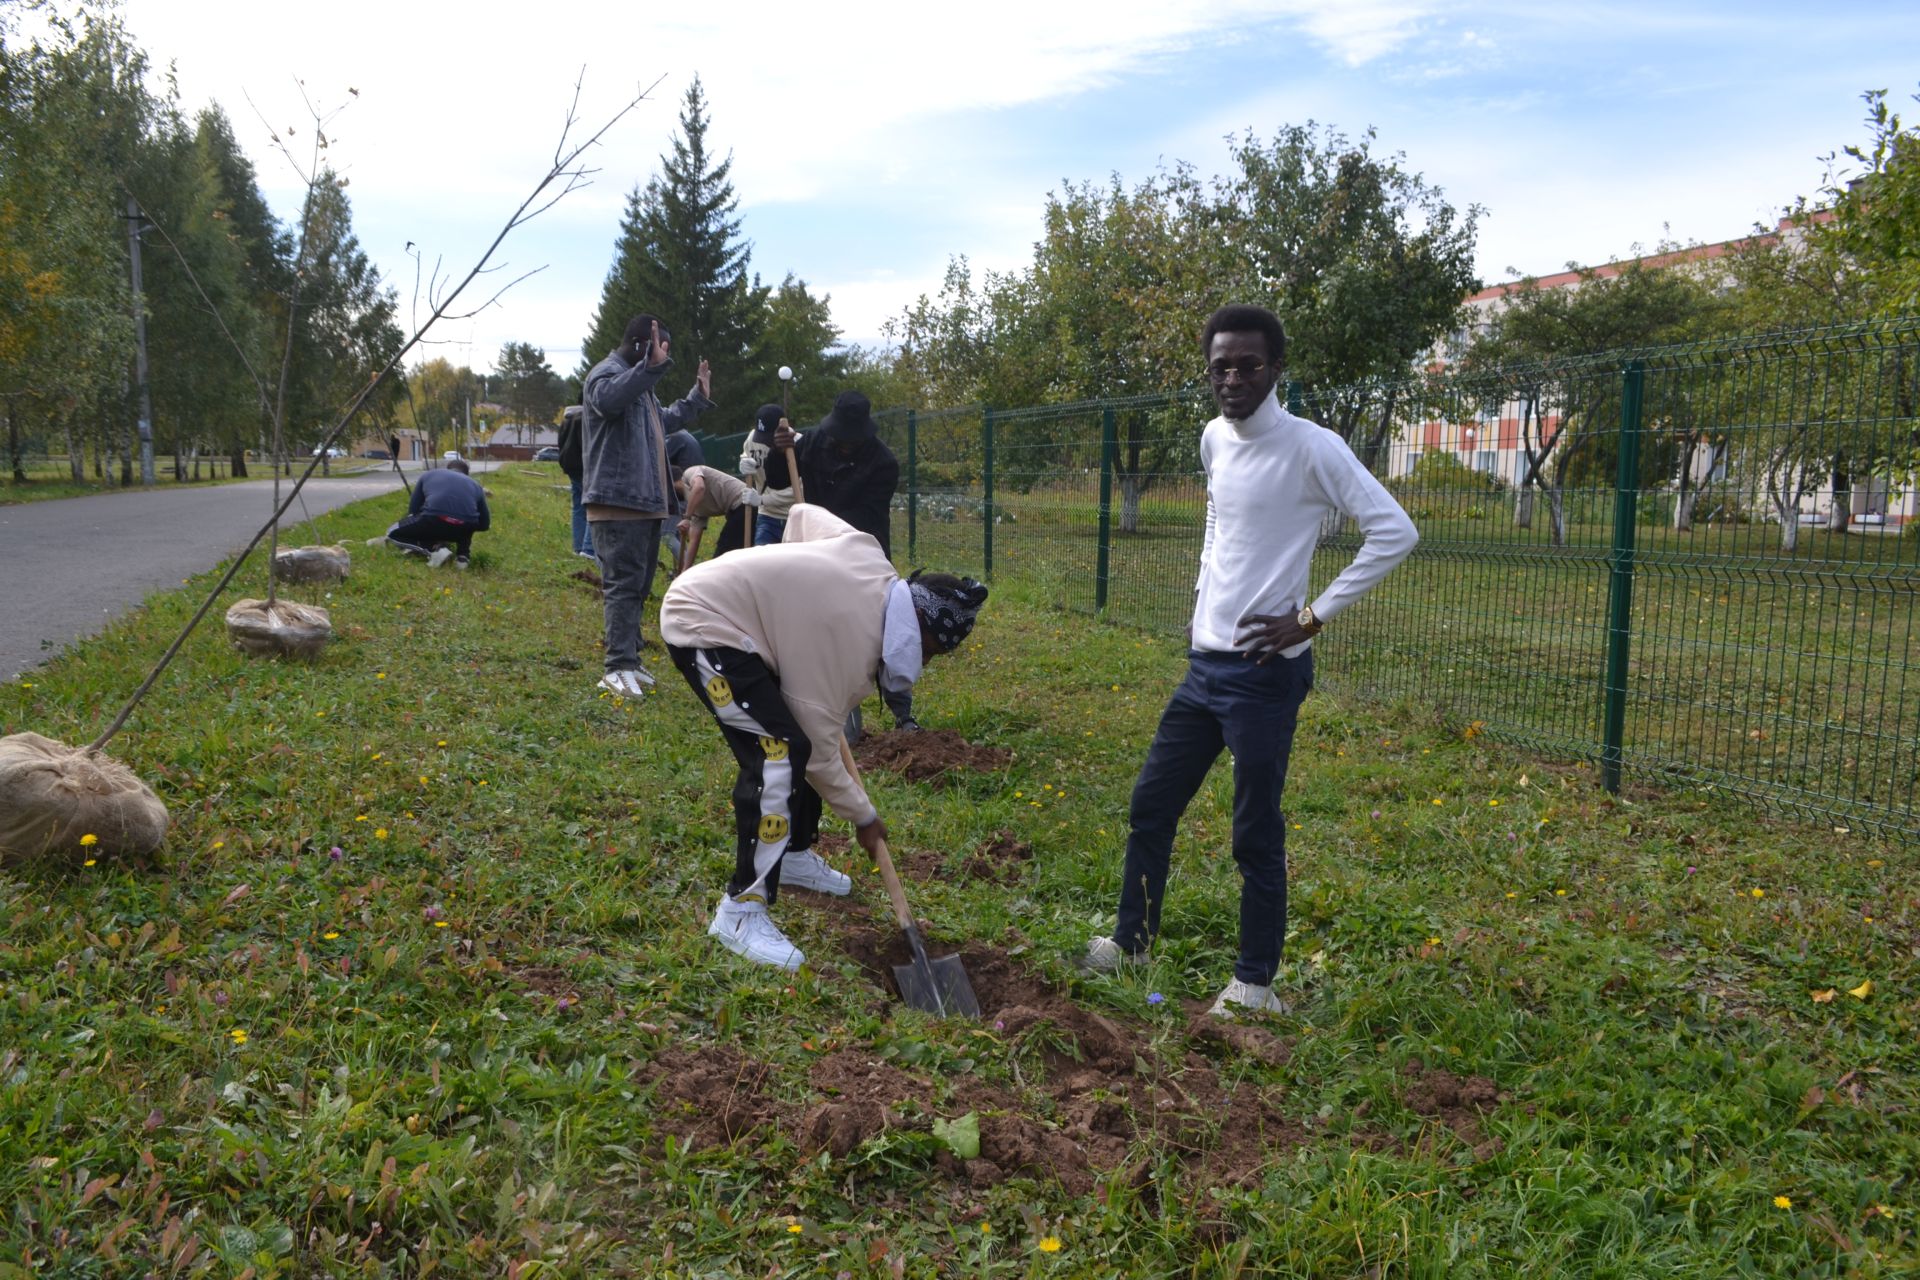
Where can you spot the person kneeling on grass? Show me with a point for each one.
(780, 643)
(448, 506)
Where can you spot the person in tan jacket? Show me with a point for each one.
(780, 643)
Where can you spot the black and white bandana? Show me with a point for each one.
(948, 612)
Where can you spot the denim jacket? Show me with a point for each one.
(623, 434)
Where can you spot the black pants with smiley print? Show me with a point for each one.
(774, 808)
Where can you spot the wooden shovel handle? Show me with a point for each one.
(799, 494)
(902, 914)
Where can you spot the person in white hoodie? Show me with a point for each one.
(1273, 482)
(780, 643)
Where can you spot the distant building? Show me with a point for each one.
(1490, 442)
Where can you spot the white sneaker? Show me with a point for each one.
(1247, 995)
(1104, 955)
(808, 870)
(459, 562)
(588, 555)
(440, 557)
(628, 684)
(746, 929)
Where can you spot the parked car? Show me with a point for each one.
(546, 453)
(381, 454)
(335, 452)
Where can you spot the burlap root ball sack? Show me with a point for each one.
(312, 564)
(283, 627)
(53, 795)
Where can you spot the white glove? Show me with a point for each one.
(749, 464)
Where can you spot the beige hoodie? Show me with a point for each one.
(813, 607)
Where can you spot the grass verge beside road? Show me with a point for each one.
(420, 986)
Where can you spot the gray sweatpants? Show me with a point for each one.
(628, 552)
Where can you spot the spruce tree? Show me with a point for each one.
(680, 256)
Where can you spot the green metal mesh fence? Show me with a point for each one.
(1700, 564)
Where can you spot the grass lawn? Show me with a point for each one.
(420, 986)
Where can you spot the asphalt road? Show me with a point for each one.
(70, 566)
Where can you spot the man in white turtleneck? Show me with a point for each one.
(1273, 482)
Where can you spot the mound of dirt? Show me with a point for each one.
(1095, 1086)
(927, 755)
(591, 578)
(1457, 1103)
(710, 1096)
(1001, 860)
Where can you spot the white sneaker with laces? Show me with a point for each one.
(1104, 955)
(1248, 995)
(808, 870)
(440, 557)
(745, 928)
(628, 684)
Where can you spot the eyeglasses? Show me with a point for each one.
(1220, 372)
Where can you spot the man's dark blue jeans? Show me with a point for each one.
(1250, 708)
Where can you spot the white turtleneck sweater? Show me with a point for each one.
(1273, 480)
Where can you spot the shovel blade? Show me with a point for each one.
(940, 988)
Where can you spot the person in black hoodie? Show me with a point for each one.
(448, 506)
(846, 468)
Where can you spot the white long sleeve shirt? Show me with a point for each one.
(1273, 480)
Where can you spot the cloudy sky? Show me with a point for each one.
(872, 141)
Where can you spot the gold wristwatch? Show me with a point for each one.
(1308, 623)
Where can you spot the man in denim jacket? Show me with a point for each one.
(627, 488)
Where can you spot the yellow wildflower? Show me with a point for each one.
(1050, 1244)
(1783, 1202)
(89, 840)
(330, 935)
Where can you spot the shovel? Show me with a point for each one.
(939, 987)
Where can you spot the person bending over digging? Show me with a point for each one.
(448, 507)
(706, 492)
(1273, 483)
(779, 643)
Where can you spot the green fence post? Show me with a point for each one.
(1626, 509)
(913, 488)
(1293, 397)
(1109, 445)
(986, 505)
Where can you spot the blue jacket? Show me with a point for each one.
(452, 496)
(623, 434)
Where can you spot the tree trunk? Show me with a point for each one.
(1132, 488)
(237, 463)
(14, 453)
(76, 463)
(1523, 507)
(1789, 522)
(1557, 511)
(1840, 511)
(1683, 510)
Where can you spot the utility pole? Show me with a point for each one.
(135, 224)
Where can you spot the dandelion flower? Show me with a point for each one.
(1433, 942)
(1783, 1202)
(440, 924)
(1050, 1244)
(330, 935)
(360, 817)
(380, 675)
(423, 779)
(379, 833)
(795, 1228)
(89, 840)
(1559, 893)
(89, 862)
(986, 1228)
(219, 844)
(1438, 800)
(238, 1036)
(1493, 804)
(1513, 895)
(1758, 893)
